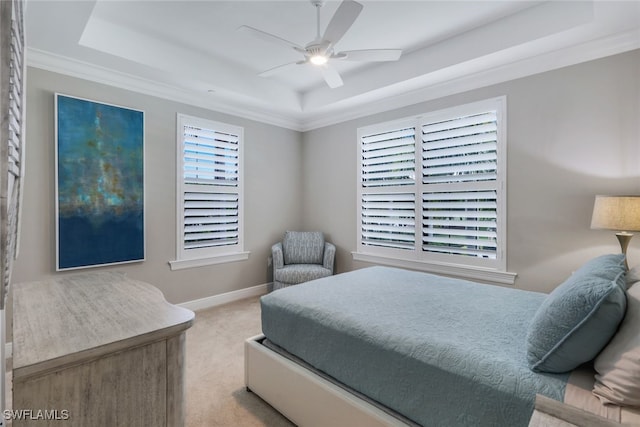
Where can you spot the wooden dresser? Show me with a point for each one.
(97, 349)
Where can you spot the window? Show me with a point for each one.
(209, 193)
(431, 190)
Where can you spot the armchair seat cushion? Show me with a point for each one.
(298, 273)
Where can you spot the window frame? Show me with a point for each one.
(416, 258)
(196, 257)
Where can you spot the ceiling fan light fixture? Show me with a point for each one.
(321, 50)
(318, 59)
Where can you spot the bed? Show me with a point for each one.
(386, 346)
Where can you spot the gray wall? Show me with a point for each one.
(273, 176)
(572, 133)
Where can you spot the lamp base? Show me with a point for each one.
(624, 238)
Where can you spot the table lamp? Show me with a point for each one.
(621, 213)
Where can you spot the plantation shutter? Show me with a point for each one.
(210, 219)
(211, 190)
(12, 140)
(387, 168)
(432, 190)
(460, 191)
(460, 223)
(210, 157)
(388, 220)
(388, 158)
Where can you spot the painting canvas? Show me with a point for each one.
(99, 183)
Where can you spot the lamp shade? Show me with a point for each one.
(616, 213)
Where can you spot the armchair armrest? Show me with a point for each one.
(329, 256)
(277, 255)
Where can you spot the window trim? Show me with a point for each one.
(433, 262)
(448, 269)
(210, 255)
(181, 264)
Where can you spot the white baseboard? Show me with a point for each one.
(215, 300)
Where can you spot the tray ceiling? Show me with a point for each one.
(191, 51)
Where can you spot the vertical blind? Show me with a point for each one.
(211, 187)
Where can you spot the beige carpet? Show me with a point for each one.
(215, 392)
(214, 373)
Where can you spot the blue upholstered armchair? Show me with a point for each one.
(300, 257)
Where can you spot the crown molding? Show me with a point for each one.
(487, 71)
(466, 81)
(83, 70)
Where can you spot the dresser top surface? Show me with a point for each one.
(56, 321)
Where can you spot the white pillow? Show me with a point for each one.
(633, 276)
(618, 365)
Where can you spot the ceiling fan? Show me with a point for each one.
(320, 51)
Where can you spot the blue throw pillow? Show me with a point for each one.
(579, 317)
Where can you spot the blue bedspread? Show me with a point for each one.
(439, 351)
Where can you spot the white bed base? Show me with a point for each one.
(304, 397)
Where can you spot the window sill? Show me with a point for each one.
(455, 270)
(181, 264)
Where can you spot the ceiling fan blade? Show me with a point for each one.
(269, 37)
(331, 76)
(342, 20)
(370, 55)
(274, 70)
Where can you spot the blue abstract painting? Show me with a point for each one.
(100, 183)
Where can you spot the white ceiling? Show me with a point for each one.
(191, 51)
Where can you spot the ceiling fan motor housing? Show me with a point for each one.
(316, 48)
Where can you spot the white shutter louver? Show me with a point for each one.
(12, 140)
(388, 158)
(460, 223)
(388, 220)
(211, 194)
(210, 219)
(460, 152)
(460, 149)
(210, 157)
(432, 189)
